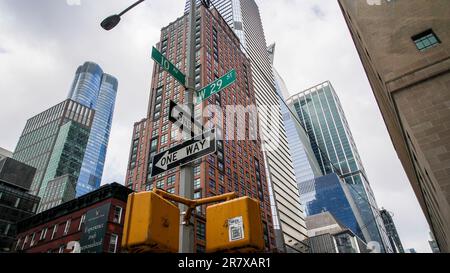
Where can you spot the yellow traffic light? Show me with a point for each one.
(235, 226)
(151, 224)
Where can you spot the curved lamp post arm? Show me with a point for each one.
(130, 7)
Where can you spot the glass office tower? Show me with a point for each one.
(318, 193)
(305, 163)
(244, 18)
(97, 90)
(320, 112)
(54, 142)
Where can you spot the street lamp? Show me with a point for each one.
(186, 187)
(112, 21)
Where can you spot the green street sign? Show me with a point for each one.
(168, 66)
(216, 86)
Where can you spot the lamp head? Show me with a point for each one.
(110, 22)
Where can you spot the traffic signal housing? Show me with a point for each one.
(151, 224)
(234, 226)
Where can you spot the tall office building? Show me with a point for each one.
(391, 230)
(404, 46)
(244, 18)
(54, 143)
(320, 112)
(318, 193)
(97, 90)
(237, 165)
(305, 163)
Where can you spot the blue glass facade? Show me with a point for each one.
(298, 143)
(320, 112)
(318, 193)
(306, 166)
(329, 193)
(97, 90)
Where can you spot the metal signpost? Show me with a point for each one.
(186, 188)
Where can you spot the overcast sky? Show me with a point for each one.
(43, 42)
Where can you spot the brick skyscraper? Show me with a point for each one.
(245, 20)
(237, 165)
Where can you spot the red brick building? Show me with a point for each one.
(94, 220)
(237, 165)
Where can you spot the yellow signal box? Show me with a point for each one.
(151, 224)
(234, 226)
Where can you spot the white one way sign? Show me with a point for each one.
(184, 153)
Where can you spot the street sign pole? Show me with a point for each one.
(186, 187)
